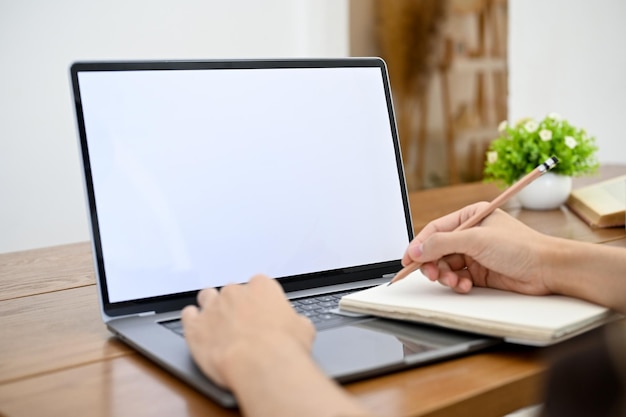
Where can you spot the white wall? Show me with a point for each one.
(41, 195)
(568, 57)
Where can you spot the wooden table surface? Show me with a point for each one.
(58, 359)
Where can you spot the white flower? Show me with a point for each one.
(545, 135)
(502, 126)
(492, 157)
(570, 142)
(531, 126)
(554, 116)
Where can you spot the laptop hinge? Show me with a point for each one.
(389, 275)
(147, 313)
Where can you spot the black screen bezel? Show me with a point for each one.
(291, 283)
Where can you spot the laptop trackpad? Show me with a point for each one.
(377, 346)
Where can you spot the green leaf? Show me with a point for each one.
(520, 151)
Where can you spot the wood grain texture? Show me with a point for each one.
(51, 331)
(489, 384)
(44, 270)
(563, 223)
(486, 384)
(428, 205)
(128, 386)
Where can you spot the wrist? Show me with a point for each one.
(555, 260)
(254, 361)
(276, 378)
(570, 266)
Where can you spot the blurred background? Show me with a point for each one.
(448, 68)
(457, 68)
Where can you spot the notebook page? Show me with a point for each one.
(483, 310)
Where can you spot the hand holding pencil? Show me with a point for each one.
(487, 210)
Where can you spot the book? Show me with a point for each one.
(517, 318)
(602, 204)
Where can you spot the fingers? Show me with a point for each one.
(232, 292)
(265, 285)
(205, 296)
(459, 280)
(189, 313)
(260, 279)
(496, 253)
(300, 327)
(451, 271)
(242, 321)
(462, 284)
(455, 247)
(261, 300)
(446, 223)
(413, 252)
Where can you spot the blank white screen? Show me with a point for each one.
(205, 177)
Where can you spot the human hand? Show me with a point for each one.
(500, 252)
(243, 324)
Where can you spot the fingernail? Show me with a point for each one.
(416, 251)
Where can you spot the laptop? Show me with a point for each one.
(294, 162)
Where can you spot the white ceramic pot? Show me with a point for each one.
(548, 192)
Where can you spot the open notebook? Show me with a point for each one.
(518, 318)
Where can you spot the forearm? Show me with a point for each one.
(593, 272)
(283, 380)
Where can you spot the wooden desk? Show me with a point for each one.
(58, 359)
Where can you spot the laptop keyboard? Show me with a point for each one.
(317, 308)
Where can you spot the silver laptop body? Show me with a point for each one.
(296, 163)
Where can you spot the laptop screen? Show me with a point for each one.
(203, 175)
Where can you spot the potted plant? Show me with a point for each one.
(527, 143)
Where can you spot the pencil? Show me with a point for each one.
(490, 208)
